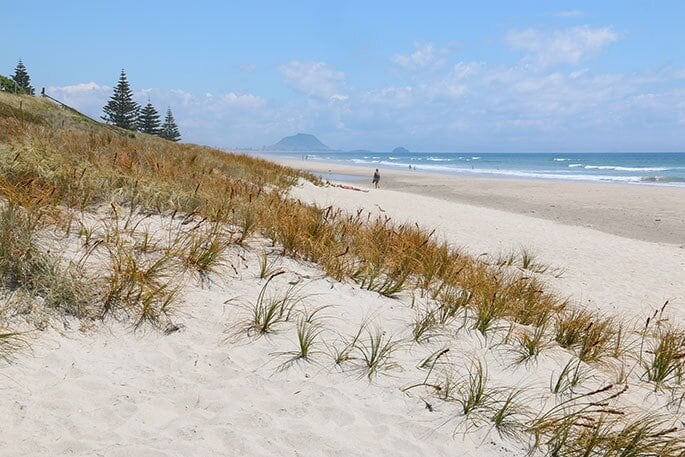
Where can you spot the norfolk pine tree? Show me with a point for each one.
(169, 130)
(121, 110)
(22, 78)
(148, 120)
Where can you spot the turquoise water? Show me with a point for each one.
(641, 168)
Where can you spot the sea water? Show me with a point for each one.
(643, 168)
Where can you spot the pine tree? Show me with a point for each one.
(121, 110)
(169, 130)
(148, 120)
(22, 78)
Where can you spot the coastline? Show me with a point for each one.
(605, 272)
(640, 212)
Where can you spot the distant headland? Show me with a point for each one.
(299, 142)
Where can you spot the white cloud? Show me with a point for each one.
(182, 96)
(315, 79)
(395, 97)
(339, 97)
(89, 97)
(562, 46)
(426, 58)
(243, 100)
(463, 70)
(442, 104)
(423, 56)
(82, 88)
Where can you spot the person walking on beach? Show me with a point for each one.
(376, 178)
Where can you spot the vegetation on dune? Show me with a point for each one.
(169, 129)
(148, 120)
(19, 82)
(122, 111)
(56, 172)
(52, 170)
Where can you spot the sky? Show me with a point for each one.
(487, 76)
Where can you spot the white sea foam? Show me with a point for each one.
(617, 168)
(528, 174)
(565, 174)
(561, 159)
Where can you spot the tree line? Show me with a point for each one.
(121, 110)
(19, 82)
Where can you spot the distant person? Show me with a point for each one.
(376, 178)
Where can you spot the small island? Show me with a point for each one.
(400, 150)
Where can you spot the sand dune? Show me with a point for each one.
(205, 391)
(212, 389)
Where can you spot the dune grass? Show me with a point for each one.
(663, 360)
(52, 173)
(375, 352)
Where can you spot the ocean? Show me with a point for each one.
(666, 169)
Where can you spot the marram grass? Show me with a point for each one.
(56, 168)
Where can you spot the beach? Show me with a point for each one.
(621, 248)
(196, 337)
(342, 229)
(210, 388)
(638, 211)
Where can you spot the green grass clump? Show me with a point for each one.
(10, 341)
(375, 352)
(473, 393)
(272, 309)
(529, 343)
(664, 359)
(24, 266)
(588, 333)
(139, 287)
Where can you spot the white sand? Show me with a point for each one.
(113, 392)
(616, 274)
(197, 392)
(642, 212)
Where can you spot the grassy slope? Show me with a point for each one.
(57, 168)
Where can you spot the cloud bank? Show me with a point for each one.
(547, 96)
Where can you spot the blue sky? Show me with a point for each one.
(430, 76)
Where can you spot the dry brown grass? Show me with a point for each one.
(52, 171)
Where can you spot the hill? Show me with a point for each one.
(299, 142)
